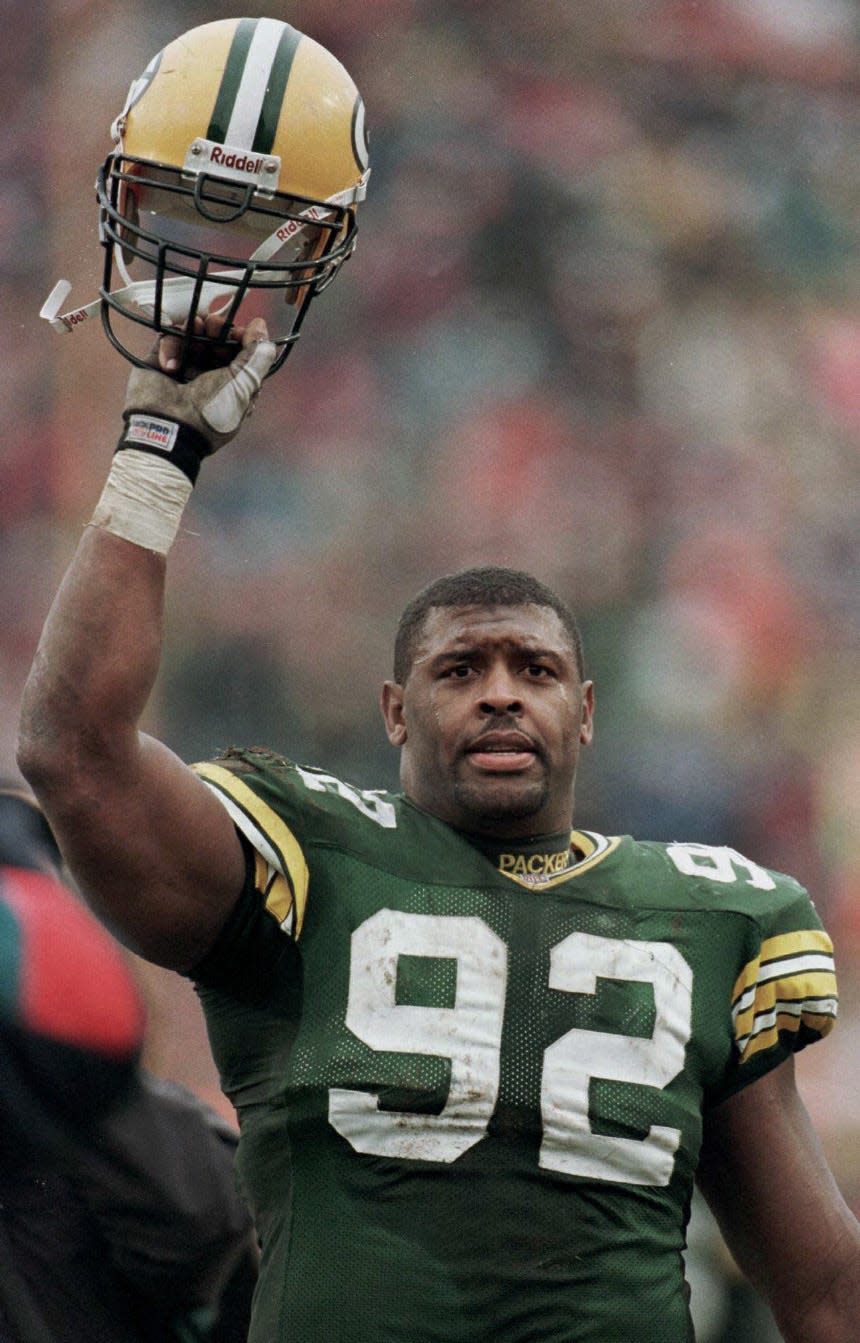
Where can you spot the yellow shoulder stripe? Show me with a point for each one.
(272, 839)
(278, 894)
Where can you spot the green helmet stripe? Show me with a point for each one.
(267, 125)
(248, 105)
(230, 80)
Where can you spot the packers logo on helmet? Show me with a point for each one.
(240, 158)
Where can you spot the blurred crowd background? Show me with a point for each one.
(602, 323)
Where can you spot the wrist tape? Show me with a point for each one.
(150, 481)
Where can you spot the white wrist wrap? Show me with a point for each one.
(143, 500)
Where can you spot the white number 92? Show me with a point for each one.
(469, 1034)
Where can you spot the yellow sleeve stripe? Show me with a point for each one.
(272, 839)
(792, 997)
(768, 1035)
(791, 983)
(807, 942)
(808, 979)
(277, 892)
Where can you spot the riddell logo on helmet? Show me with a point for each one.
(232, 161)
(296, 225)
(238, 162)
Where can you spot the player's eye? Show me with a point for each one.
(539, 670)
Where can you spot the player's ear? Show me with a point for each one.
(391, 704)
(586, 726)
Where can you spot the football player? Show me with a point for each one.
(479, 1057)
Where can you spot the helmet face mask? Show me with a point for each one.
(240, 159)
(210, 247)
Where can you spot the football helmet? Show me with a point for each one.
(240, 158)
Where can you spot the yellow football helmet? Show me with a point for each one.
(240, 158)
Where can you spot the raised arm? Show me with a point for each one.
(153, 852)
(766, 1178)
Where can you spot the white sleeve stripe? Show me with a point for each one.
(790, 965)
(822, 1007)
(815, 963)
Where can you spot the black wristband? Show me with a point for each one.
(175, 442)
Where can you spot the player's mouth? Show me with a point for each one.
(500, 752)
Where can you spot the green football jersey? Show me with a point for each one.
(471, 1086)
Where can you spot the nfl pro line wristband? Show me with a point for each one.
(154, 469)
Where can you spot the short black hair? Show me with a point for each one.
(26, 839)
(487, 585)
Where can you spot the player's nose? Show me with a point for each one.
(500, 692)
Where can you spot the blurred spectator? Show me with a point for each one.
(119, 1215)
(71, 1021)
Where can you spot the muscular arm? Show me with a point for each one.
(766, 1179)
(152, 850)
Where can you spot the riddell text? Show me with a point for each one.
(241, 162)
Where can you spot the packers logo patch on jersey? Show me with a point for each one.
(533, 867)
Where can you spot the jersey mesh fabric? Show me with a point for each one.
(480, 1116)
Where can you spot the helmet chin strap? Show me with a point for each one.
(176, 294)
(177, 291)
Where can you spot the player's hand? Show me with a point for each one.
(217, 399)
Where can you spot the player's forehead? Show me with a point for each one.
(461, 628)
